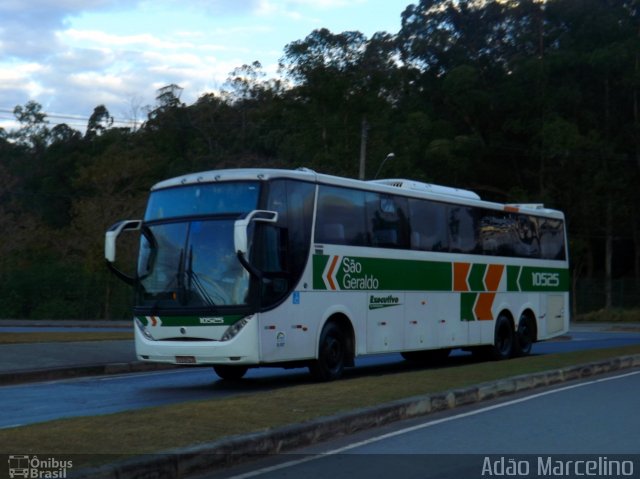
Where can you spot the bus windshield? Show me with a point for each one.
(191, 264)
(187, 256)
(205, 199)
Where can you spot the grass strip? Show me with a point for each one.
(613, 316)
(63, 336)
(166, 427)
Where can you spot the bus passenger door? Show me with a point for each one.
(385, 321)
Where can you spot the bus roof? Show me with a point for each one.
(403, 187)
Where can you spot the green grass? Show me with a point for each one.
(161, 428)
(611, 316)
(49, 337)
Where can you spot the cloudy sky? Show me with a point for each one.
(73, 55)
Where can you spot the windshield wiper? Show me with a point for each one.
(182, 293)
(195, 280)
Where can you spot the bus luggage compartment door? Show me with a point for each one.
(385, 321)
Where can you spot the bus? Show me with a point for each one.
(244, 268)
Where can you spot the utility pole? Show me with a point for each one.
(363, 147)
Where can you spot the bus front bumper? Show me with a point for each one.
(242, 349)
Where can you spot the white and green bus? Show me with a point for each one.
(244, 268)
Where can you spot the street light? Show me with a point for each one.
(390, 156)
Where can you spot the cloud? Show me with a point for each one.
(327, 4)
(73, 55)
(17, 80)
(138, 41)
(29, 29)
(216, 8)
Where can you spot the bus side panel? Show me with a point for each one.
(421, 327)
(433, 321)
(286, 332)
(555, 321)
(385, 321)
(292, 331)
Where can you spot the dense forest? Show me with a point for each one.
(518, 100)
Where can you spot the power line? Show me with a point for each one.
(68, 116)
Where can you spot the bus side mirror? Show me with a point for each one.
(111, 237)
(240, 240)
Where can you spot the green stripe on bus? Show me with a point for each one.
(543, 279)
(467, 301)
(175, 321)
(512, 278)
(357, 273)
(476, 277)
(353, 273)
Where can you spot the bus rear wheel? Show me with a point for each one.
(332, 354)
(504, 339)
(525, 336)
(230, 372)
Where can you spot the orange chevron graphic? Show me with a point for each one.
(493, 276)
(330, 273)
(460, 273)
(476, 300)
(482, 308)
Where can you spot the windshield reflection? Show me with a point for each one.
(191, 264)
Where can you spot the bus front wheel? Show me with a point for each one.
(230, 372)
(332, 354)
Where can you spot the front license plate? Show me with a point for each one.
(185, 359)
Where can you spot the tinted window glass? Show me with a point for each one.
(294, 202)
(203, 199)
(526, 241)
(428, 225)
(387, 224)
(341, 216)
(551, 236)
(520, 235)
(463, 229)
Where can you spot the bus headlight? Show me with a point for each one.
(143, 329)
(234, 329)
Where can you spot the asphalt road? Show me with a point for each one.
(39, 402)
(591, 420)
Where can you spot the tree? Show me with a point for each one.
(99, 121)
(33, 130)
(342, 84)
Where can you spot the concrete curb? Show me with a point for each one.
(34, 375)
(233, 450)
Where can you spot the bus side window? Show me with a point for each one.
(300, 197)
(551, 235)
(428, 221)
(387, 221)
(498, 233)
(333, 233)
(527, 237)
(340, 206)
(463, 229)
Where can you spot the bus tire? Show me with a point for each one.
(525, 336)
(230, 372)
(332, 354)
(504, 339)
